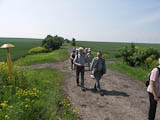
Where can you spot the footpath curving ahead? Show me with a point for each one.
(124, 98)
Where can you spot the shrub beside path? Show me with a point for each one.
(124, 98)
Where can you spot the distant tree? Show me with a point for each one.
(61, 39)
(52, 43)
(46, 39)
(67, 41)
(73, 42)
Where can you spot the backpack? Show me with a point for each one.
(95, 66)
(148, 77)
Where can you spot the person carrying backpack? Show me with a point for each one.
(89, 58)
(98, 68)
(154, 91)
(72, 56)
(79, 62)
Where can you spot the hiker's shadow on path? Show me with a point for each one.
(110, 93)
(115, 93)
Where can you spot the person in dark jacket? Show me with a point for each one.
(72, 56)
(98, 68)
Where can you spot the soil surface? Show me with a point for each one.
(124, 98)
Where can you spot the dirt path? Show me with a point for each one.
(124, 98)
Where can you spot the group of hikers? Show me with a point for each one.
(97, 66)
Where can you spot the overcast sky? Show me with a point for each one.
(88, 20)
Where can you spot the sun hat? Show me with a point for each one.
(80, 48)
(89, 49)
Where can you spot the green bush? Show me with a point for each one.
(54, 56)
(151, 62)
(52, 43)
(67, 41)
(136, 56)
(36, 50)
(127, 54)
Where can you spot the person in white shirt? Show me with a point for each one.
(79, 62)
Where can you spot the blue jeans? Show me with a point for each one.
(80, 70)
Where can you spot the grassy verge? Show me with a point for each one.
(35, 95)
(52, 104)
(55, 56)
(135, 72)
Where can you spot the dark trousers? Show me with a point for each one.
(78, 71)
(152, 107)
(97, 76)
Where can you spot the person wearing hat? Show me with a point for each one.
(76, 51)
(72, 56)
(79, 62)
(86, 52)
(154, 91)
(89, 57)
